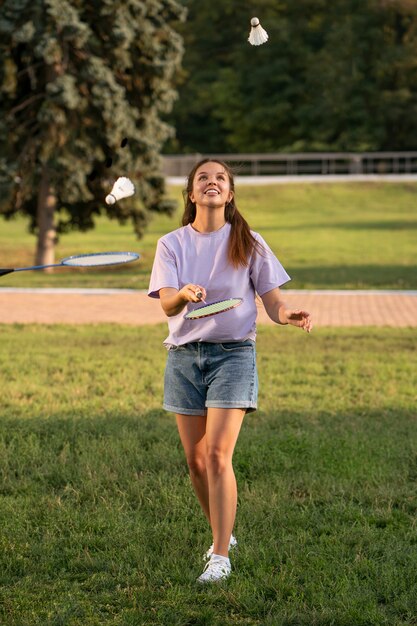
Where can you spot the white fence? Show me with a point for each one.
(319, 164)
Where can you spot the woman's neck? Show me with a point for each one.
(209, 221)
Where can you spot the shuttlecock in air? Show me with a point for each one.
(257, 35)
(122, 188)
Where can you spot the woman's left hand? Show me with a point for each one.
(301, 319)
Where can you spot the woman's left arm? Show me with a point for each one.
(278, 312)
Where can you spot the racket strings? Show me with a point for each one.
(102, 258)
(213, 308)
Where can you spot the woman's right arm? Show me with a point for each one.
(173, 301)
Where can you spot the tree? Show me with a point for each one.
(83, 86)
(338, 75)
(364, 78)
(212, 32)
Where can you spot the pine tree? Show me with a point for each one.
(84, 85)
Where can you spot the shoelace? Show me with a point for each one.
(215, 569)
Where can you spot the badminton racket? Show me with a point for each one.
(213, 308)
(82, 260)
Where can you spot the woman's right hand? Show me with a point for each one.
(174, 301)
(191, 293)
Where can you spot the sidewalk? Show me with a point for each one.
(327, 308)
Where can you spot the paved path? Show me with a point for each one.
(328, 308)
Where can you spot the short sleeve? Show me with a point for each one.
(266, 272)
(164, 270)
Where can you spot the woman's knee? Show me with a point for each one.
(196, 465)
(217, 461)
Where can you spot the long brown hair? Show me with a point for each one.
(242, 244)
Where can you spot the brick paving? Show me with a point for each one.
(328, 308)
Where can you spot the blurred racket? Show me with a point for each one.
(82, 260)
(213, 308)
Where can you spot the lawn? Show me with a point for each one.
(98, 522)
(327, 236)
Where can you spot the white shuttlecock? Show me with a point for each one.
(257, 35)
(122, 188)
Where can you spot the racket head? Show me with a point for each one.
(99, 259)
(213, 308)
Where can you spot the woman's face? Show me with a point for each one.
(211, 186)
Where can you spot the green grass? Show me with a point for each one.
(99, 525)
(327, 236)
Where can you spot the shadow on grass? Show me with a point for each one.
(62, 449)
(357, 448)
(375, 225)
(99, 522)
(354, 277)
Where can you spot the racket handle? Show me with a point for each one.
(199, 295)
(5, 271)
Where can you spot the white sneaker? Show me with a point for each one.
(232, 544)
(217, 569)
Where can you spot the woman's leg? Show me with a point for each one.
(192, 431)
(222, 431)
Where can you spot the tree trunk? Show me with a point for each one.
(45, 251)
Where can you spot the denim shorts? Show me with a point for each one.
(201, 375)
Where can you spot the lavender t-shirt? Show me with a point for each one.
(188, 256)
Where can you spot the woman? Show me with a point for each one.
(210, 376)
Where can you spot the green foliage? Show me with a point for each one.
(336, 75)
(76, 78)
(99, 525)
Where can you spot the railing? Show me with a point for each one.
(319, 164)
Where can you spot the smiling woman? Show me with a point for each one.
(211, 378)
(213, 181)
